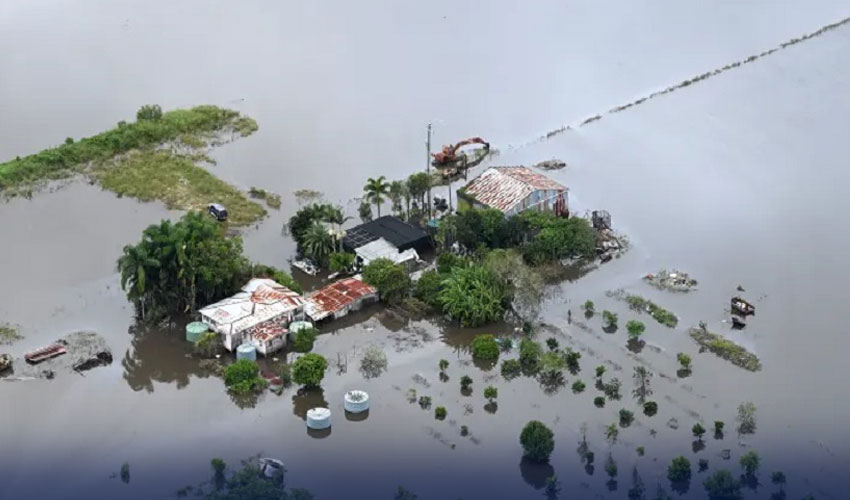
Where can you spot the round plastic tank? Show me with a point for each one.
(246, 351)
(297, 326)
(356, 401)
(194, 330)
(318, 418)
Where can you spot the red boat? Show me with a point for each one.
(45, 353)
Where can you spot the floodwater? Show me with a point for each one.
(738, 180)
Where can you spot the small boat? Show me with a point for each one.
(742, 307)
(738, 322)
(45, 353)
(306, 266)
(271, 467)
(5, 362)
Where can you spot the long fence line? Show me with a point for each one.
(689, 81)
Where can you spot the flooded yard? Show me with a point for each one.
(738, 179)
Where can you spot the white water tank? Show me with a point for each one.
(246, 351)
(356, 401)
(318, 418)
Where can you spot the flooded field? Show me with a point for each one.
(738, 180)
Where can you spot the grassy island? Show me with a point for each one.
(154, 158)
(726, 349)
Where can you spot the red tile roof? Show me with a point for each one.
(503, 188)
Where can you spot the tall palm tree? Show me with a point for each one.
(318, 243)
(333, 215)
(135, 265)
(376, 190)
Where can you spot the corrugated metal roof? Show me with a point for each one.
(260, 300)
(504, 187)
(336, 297)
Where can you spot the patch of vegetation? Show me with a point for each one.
(304, 339)
(638, 303)
(612, 389)
(721, 485)
(485, 347)
(275, 274)
(341, 262)
(195, 128)
(746, 418)
(390, 279)
(491, 393)
(177, 266)
(465, 382)
(207, 345)
(511, 368)
(537, 441)
(175, 180)
(530, 353)
(578, 387)
(679, 470)
(472, 296)
(309, 370)
(600, 370)
(242, 377)
(650, 408)
(440, 413)
(726, 349)
(373, 363)
(626, 417)
(314, 229)
(271, 199)
(8, 334)
(428, 287)
(610, 319)
(635, 329)
(599, 401)
(125, 473)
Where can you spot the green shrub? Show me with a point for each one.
(341, 262)
(698, 431)
(207, 345)
(679, 470)
(552, 343)
(390, 279)
(149, 112)
(626, 417)
(491, 393)
(529, 355)
(444, 363)
(650, 408)
(610, 318)
(635, 328)
(440, 412)
(600, 370)
(537, 441)
(304, 339)
(218, 467)
(599, 401)
(242, 377)
(589, 307)
(511, 368)
(578, 386)
(473, 296)
(465, 382)
(485, 347)
(684, 361)
(428, 288)
(309, 370)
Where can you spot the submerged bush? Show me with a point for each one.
(485, 347)
(309, 370)
(242, 377)
(537, 441)
(304, 339)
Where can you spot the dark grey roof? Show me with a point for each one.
(399, 233)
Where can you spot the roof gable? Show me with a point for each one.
(503, 188)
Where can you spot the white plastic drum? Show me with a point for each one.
(318, 418)
(356, 401)
(246, 351)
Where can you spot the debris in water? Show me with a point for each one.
(672, 280)
(83, 351)
(553, 164)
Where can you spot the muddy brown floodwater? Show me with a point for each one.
(738, 180)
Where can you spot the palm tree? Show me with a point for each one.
(318, 243)
(134, 267)
(334, 216)
(376, 189)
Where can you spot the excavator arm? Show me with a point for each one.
(449, 152)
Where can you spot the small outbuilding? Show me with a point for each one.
(339, 298)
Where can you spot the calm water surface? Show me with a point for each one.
(738, 180)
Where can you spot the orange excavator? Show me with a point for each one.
(448, 155)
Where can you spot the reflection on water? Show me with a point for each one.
(319, 433)
(159, 355)
(535, 473)
(306, 399)
(356, 417)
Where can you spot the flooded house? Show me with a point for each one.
(512, 190)
(259, 315)
(339, 298)
(386, 237)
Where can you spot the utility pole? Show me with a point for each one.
(428, 169)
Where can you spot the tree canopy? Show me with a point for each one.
(390, 279)
(537, 441)
(309, 370)
(473, 296)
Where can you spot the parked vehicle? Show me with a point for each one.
(218, 211)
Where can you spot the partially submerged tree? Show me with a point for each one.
(746, 418)
(721, 485)
(635, 329)
(373, 362)
(684, 362)
(309, 370)
(473, 296)
(679, 470)
(485, 347)
(242, 377)
(537, 441)
(390, 279)
(698, 431)
(750, 462)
